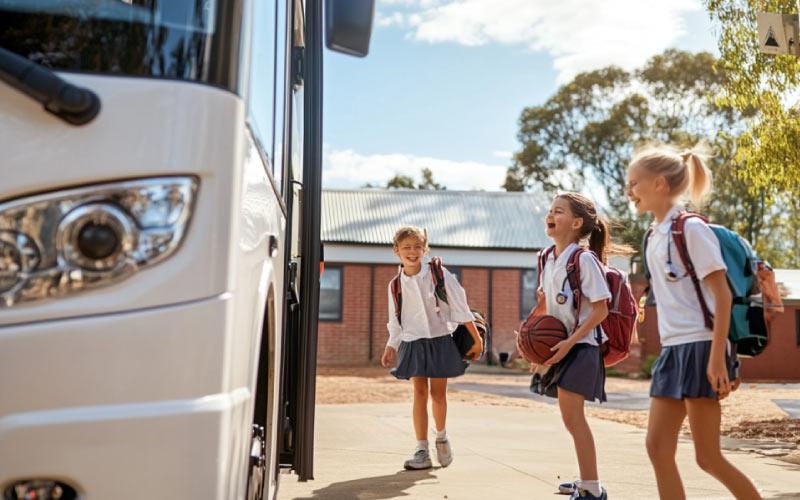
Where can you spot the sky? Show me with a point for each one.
(445, 81)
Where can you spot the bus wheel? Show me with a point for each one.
(258, 464)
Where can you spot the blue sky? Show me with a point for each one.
(445, 80)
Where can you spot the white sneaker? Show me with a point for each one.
(421, 460)
(444, 452)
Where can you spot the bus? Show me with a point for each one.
(159, 243)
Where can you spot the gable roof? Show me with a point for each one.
(457, 219)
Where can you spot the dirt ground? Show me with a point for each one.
(748, 413)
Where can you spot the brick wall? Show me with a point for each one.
(347, 341)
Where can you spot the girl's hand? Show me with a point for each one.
(560, 350)
(389, 357)
(717, 375)
(475, 352)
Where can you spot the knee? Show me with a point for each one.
(439, 395)
(709, 461)
(574, 421)
(421, 392)
(658, 449)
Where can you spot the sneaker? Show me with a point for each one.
(444, 452)
(580, 494)
(420, 460)
(567, 488)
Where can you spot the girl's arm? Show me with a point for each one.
(477, 347)
(598, 314)
(717, 371)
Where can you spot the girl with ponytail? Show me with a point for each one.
(576, 371)
(695, 369)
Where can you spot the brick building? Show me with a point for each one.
(489, 240)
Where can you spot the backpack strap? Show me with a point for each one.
(437, 273)
(574, 279)
(646, 238)
(679, 237)
(544, 254)
(397, 295)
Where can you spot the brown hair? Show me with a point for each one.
(416, 232)
(595, 226)
(685, 171)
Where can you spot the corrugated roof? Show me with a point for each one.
(462, 219)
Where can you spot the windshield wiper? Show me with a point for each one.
(73, 104)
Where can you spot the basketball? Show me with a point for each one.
(538, 335)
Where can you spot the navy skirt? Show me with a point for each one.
(680, 371)
(581, 371)
(433, 358)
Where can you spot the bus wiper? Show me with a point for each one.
(73, 104)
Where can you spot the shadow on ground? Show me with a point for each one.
(784, 496)
(373, 488)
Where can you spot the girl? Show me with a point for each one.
(428, 355)
(577, 370)
(694, 370)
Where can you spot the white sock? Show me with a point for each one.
(441, 434)
(592, 487)
(422, 444)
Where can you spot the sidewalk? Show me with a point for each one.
(501, 453)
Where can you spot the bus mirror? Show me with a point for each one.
(348, 25)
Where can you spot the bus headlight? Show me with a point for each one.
(61, 242)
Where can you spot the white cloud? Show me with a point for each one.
(506, 155)
(349, 169)
(382, 20)
(579, 35)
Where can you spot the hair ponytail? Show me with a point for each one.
(595, 227)
(699, 177)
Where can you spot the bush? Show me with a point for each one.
(647, 365)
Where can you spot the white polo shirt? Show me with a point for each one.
(680, 318)
(593, 287)
(420, 320)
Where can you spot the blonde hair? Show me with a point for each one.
(409, 231)
(596, 227)
(685, 171)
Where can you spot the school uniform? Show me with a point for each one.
(582, 370)
(680, 370)
(423, 337)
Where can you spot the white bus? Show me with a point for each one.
(160, 181)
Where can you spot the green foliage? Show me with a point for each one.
(405, 182)
(586, 133)
(647, 366)
(769, 150)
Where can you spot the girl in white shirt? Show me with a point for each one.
(422, 334)
(694, 369)
(577, 373)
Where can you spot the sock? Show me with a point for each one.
(592, 487)
(441, 434)
(422, 444)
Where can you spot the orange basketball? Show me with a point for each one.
(538, 335)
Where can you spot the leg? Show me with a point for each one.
(571, 405)
(663, 427)
(420, 407)
(704, 419)
(439, 402)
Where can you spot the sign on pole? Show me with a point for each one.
(778, 33)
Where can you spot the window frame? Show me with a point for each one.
(340, 310)
(523, 311)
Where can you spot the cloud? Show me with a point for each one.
(506, 155)
(579, 35)
(349, 169)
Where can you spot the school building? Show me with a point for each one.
(490, 241)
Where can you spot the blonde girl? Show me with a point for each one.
(422, 335)
(576, 371)
(694, 369)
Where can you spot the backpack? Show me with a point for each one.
(748, 329)
(623, 310)
(461, 335)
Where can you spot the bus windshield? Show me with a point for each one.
(177, 39)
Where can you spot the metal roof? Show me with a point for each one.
(460, 219)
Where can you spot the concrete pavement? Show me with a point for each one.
(500, 453)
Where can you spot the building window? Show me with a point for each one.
(528, 282)
(330, 294)
(456, 271)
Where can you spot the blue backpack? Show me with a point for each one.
(748, 330)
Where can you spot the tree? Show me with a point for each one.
(769, 150)
(400, 181)
(584, 136)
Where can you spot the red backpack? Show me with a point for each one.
(620, 324)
